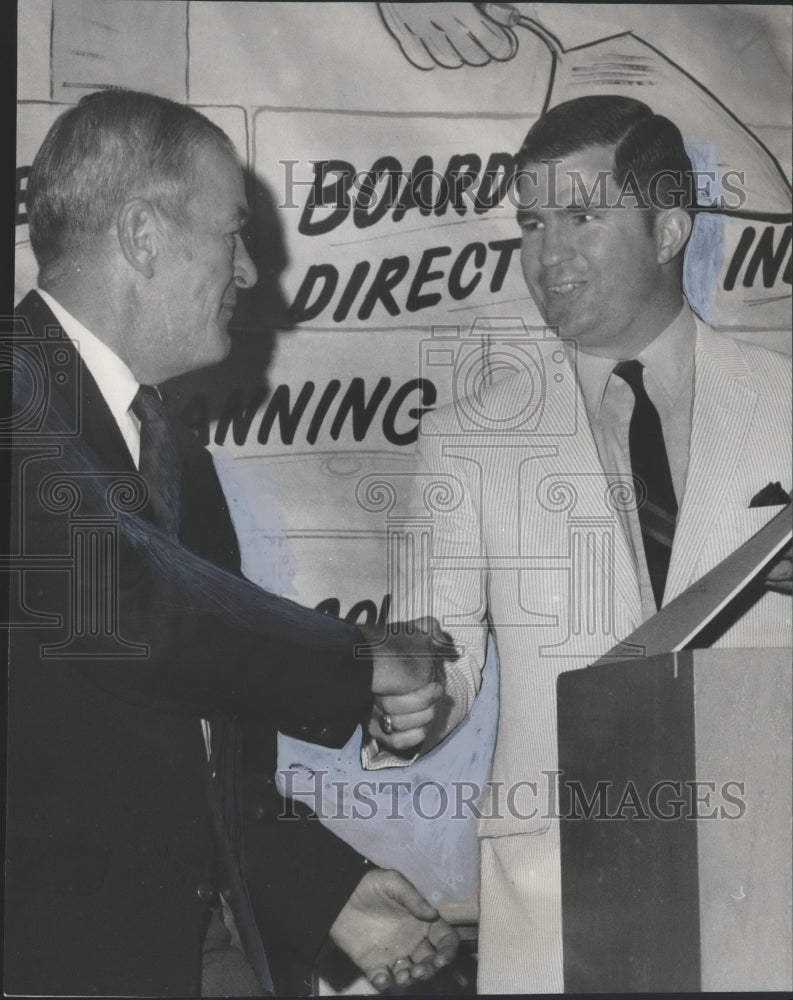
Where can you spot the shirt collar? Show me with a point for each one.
(115, 381)
(667, 360)
(670, 357)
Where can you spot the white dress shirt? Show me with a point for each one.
(115, 381)
(669, 381)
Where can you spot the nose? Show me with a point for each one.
(245, 273)
(556, 245)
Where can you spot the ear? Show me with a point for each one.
(672, 230)
(139, 234)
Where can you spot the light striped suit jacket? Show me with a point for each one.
(526, 542)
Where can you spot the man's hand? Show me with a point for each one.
(405, 658)
(390, 931)
(405, 654)
(401, 722)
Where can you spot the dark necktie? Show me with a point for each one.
(650, 465)
(159, 463)
(161, 467)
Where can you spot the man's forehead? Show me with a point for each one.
(580, 178)
(220, 181)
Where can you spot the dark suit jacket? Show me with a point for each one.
(110, 868)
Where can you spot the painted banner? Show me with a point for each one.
(377, 140)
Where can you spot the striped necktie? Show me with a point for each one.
(650, 465)
(159, 463)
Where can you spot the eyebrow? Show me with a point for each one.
(525, 215)
(579, 205)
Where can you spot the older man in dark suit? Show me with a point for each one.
(147, 677)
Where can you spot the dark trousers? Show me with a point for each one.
(225, 971)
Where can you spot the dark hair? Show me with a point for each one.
(646, 145)
(112, 146)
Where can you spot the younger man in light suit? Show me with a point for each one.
(615, 481)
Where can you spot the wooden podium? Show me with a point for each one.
(675, 801)
(680, 877)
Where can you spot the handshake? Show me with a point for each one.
(391, 933)
(406, 679)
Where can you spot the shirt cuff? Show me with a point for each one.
(457, 689)
(373, 758)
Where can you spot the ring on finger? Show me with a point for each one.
(388, 728)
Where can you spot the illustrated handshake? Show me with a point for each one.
(406, 679)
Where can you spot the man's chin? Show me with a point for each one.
(569, 326)
(225, 345)
(563, 329)
(221, 344)
(557, 318)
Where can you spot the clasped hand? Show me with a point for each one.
(392, 933)
(406, 661)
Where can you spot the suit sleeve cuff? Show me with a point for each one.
(374, 758)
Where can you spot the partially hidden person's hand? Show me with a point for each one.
(392, 933)
(405, 655)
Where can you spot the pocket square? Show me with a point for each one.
(770, 496)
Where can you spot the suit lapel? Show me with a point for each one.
(206, 523)
(100, 430)
(576, 467)
(724, 402)
(616, 562)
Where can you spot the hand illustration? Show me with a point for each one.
(450, 34)
(391, 932)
